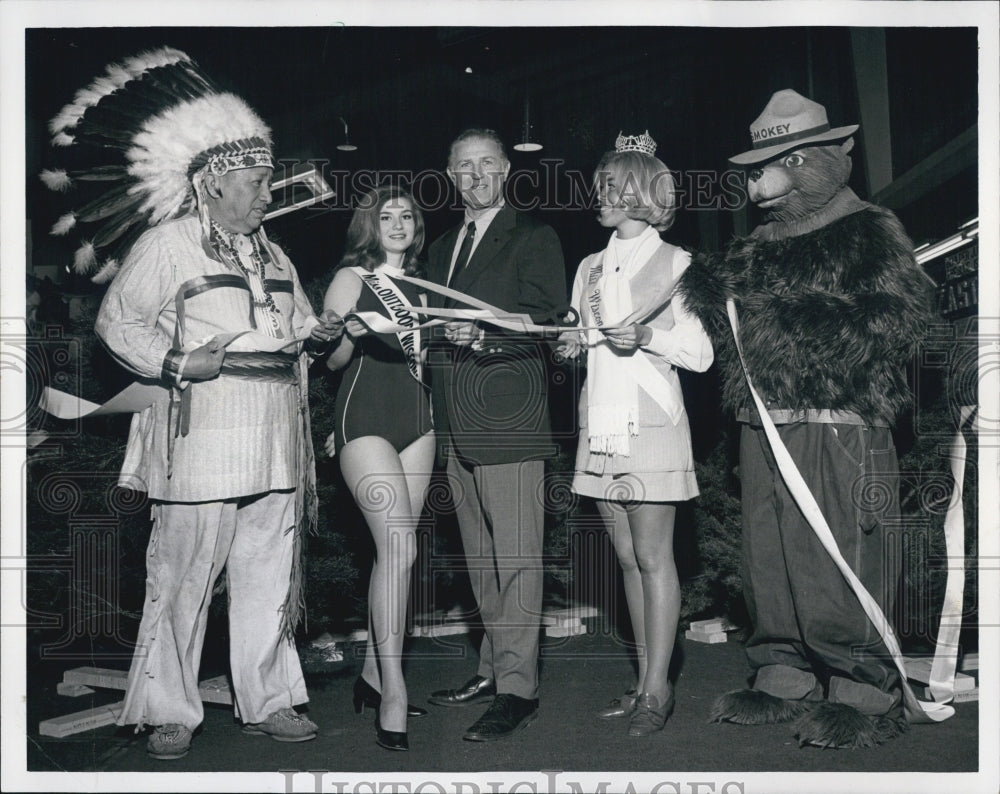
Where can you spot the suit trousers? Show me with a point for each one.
(189, 545)
(501, 518)
(805, 615)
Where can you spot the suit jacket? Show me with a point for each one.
(492, 404)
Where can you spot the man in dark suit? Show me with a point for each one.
(491, 416)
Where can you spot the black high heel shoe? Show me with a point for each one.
(366, 695)
(390, 740)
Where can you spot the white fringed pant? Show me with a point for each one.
(188, 547)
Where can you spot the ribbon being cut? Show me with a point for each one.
(485, 313)
(480, 312)
(140, 395)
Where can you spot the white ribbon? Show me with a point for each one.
(942, 678)
(916, 710)
(134, 398)
(139, 396)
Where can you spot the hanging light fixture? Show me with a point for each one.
(346, 146)
(529, 140)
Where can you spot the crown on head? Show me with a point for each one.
(635, 143)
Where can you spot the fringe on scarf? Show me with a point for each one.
(610, 427)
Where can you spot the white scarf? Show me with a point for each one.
(612, 389)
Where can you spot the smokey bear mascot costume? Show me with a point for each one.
(831, 306)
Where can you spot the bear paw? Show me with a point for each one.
(842, 727)
(754, 707)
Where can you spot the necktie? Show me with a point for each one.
(464, 252)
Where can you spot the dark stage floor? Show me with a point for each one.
(579, 675)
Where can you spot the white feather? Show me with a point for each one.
(84, 258)
(107, 272)
(56, 179)
(168, 142)
(64, 224)
(89, 96)
(62, 139)
(115, 76)
(118, 74)
(67, 117)
(164, 56)
(104, 85)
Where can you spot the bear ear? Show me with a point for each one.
(847, 145)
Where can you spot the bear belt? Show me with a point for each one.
(827, 416)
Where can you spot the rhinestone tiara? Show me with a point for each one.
(635, 143)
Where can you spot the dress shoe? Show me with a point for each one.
(476, 690)
(366, 695)
(620, 707)
(649, 715)
(506, 716)
(390, 740)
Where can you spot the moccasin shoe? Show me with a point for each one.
(285, 725)
(169, 741)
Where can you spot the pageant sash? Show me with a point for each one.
(916, 710)
(646, 283)
(397, 306)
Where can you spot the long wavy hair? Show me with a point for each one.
(364, 239)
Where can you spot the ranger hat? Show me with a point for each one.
(788, 122)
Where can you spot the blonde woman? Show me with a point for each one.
(634, 456)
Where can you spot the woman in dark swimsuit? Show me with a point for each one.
(383, 433)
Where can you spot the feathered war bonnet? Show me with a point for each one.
(167, 125)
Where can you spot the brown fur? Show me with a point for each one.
(753, 707)
(838, 726)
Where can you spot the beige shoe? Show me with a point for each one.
(620, 707)
(169, 741)
(649, 715)
(285, 725)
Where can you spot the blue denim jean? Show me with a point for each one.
(805, 615)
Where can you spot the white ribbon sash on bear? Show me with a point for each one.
(916, 710)
(395, 303)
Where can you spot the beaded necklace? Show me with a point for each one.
(244, 252)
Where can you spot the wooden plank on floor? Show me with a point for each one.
(710, 637)
(81, 721)
(97, 677)
(212, 690)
